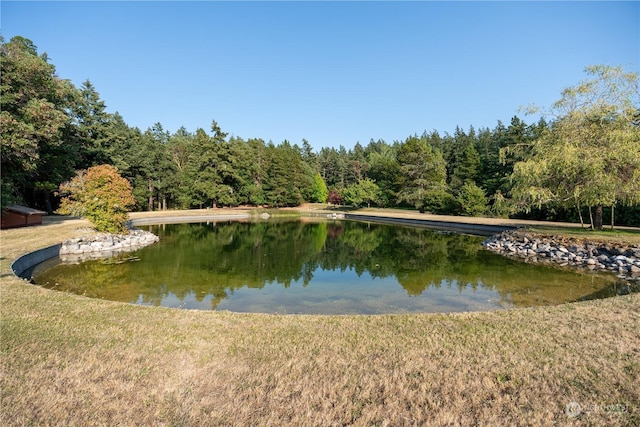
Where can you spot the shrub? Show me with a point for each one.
(334, 198)
(441, 202)
(472, 199)
(99, 194)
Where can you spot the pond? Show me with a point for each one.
(320, 267)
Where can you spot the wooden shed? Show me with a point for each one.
(21, 216)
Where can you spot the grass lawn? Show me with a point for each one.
(68, 360)
(615, 236)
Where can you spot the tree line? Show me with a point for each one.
(52, 129)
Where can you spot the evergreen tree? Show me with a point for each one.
(423, 169)
(384, 170)
(488, 147)
(121, 139)
(180, 151)
(358, 165)
(472, 199)
(211, 173)
(258, 171)
(91, 125)
(466, 167)
(308, 156)
(279, 184)
(328, 164)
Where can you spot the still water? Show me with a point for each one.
(324, 267)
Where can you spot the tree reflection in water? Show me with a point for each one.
(320, 266)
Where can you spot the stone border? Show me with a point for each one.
(27, 261)
(105, 245)
(621, 260)
(84, 248)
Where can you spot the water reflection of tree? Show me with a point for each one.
(214, 260)
(235, 255)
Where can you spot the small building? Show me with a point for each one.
(21, 216)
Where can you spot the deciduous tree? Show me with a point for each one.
(34, 121)
(365, 191)
(591, 154)
(320, 191)
(99, 194)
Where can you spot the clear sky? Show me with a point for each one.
(334, 73)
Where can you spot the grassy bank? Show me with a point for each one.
(69, 360)
(622, 236)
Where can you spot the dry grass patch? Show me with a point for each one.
(69, 360)
(622, 236)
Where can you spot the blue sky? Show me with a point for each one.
(334, 73)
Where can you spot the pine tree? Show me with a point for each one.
(423, 169)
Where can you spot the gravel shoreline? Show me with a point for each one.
(622, 260)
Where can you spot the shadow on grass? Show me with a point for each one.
(57, 219)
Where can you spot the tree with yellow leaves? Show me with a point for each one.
(99, 194)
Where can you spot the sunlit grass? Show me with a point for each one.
(617, 235)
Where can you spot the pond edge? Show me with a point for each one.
(31, 259)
